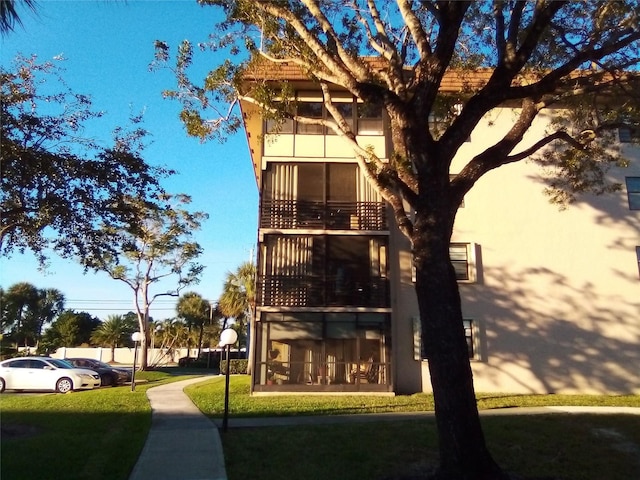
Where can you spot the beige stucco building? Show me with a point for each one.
(551, 298)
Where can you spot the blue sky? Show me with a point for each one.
(108, 46)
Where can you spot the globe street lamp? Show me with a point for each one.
(227, 338)
(136, 337)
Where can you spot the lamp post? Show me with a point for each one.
(227, 338)
(136, 337)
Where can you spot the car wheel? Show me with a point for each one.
(2, 385)
(64, 385)
(107, 381)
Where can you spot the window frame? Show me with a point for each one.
(375, 124)
(471, 334)
(633, 192)
(472, 272)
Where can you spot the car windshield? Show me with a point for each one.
(100, 364)
(59, 363)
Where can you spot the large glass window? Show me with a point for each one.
(346, 110)
(342, 349)
(281, 125)
(363, 118)
(319, 195)
(370, 119)
(312, 110)
(323, 270)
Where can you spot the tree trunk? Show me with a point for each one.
(144, 349)
(200, 335)
(463, 452)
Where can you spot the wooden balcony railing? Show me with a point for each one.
(317, 291)
(327, 216)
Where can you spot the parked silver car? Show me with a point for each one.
(45, 373)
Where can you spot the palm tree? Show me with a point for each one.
(195, 311)
(172, 334)
(238, 300)
(19, 303)
(9, 15)
(26, 309)
(114, 330)
(50, 304)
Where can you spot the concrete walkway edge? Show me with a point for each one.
(182, 443)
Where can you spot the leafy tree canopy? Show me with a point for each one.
(26, 310)
(70, 329)
(155, 248)
(57, 184)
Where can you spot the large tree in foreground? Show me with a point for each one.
(531, 55)
(154, 255)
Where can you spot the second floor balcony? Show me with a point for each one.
(318, 291)
(330, 215)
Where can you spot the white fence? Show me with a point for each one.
(156, 357)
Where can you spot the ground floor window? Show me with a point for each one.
(470, 335)
(322, 351)
(633, 192)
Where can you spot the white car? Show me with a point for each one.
(45, 373)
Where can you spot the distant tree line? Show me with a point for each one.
(37, 320)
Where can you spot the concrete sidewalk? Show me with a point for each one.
(182, 442)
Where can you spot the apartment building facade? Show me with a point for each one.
(551, 298)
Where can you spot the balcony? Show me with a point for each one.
(318, 291)
(292, 214)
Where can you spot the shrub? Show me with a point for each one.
(237, 366)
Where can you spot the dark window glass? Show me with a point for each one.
(468, 335)
(19, 364)
(633, 192)
(460, 260)
(346, 110)
(283, 126)
(629, 134)
(311, 182)
(341, 181)
(37, 364)
(369, 119)
(310, 110)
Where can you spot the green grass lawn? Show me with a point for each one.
(209, 397)
(99, 435)
(571, 447)
(95, 434)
